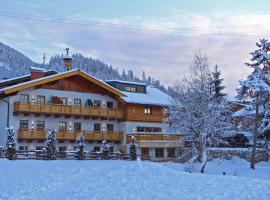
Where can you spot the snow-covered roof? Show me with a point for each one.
(153, 96)
(37, 69)
(246, 111)
(26, 76)
(128, 82)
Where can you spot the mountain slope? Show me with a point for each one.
(14, 63)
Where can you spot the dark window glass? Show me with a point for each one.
(89, 103)
(24, 124)
(97, 103)
(24, 98)
(62, 148)
(97, 127)
(96, 148)
(39, 148)
(110, 127)
(40, 99)
(159, 152)
(109, 104)
(23, 148)
(40, 125)
(62, 126)
(171, 152)
(148, 129)
(77, 102)
(77, 126)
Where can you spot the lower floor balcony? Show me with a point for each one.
(157, 140)
(33, 134)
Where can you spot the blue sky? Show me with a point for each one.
(169, 33)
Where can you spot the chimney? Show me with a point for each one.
(67, 60)
(37, 73)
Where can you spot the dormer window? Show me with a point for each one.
(130, 89)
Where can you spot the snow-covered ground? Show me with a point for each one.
(31, 179)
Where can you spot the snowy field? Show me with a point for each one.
(71, 180)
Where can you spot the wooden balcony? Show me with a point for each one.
(32, 134)
(67, 110)
(155, 137)
(70, 135)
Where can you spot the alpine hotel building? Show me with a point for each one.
(74, 102)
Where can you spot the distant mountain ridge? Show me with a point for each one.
(13, 64)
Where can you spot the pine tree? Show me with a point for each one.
(79, 147)
(261, 56)
(132, 149)
(255, 90)
(105, 150)
(216, 86)
(11, 144)
(50, 145)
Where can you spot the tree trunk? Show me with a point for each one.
(253, 153)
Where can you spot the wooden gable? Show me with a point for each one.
(75, 84)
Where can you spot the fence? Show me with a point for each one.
(69, 155)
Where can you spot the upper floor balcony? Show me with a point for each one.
(67, 110)
(33, 134)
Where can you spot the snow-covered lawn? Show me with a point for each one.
(114, 180)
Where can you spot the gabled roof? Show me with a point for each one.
(66, 74)
(153, 96)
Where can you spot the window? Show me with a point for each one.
(24, 98)
(62, 148)
(171, 152)
(40, 99)
(39, 148)
(77, 102)
(89, 103)
(97, 103)
(148, 129)
(40, 125)
(130, 89)
(62, 126)
(96, 149)
(109, 104)
(23, 148)
(110, 127)
(159, 153)
(24, 124)
(64, 100)
(77, 126)
(147, 110)
(97, 127)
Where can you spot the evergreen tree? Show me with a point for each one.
(132, 149)
(105, 150)
(79, 147)
(50, 145)
(216, 86)
(11, 144)
(261, 56)
(255, 91)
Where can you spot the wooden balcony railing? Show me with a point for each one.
(70, 135)
(155, 137)
(56, 109)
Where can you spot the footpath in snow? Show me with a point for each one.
(123, 180)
